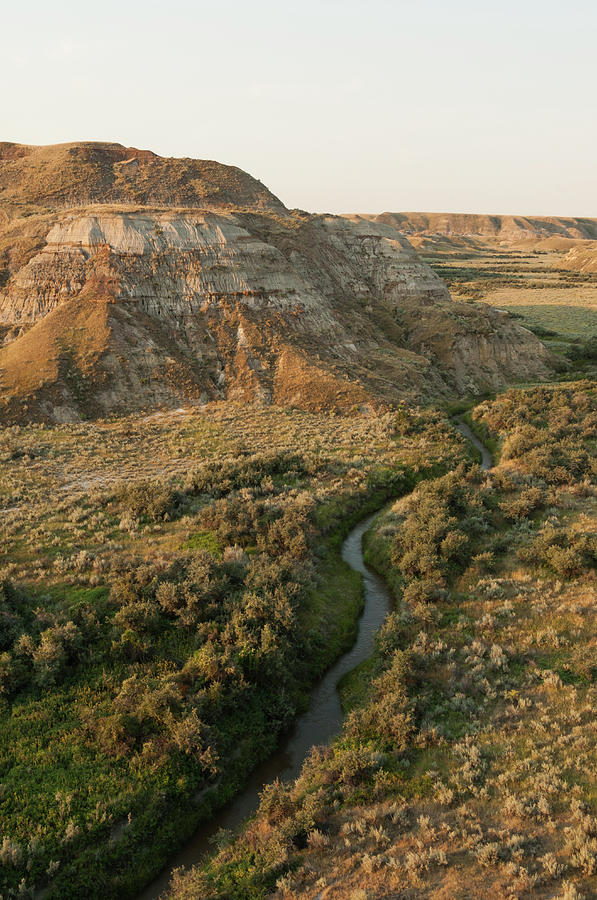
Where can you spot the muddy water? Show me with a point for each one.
(463, 428)
(321, 722)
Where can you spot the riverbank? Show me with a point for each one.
(332, 614)
(315, 727)
(324, 717)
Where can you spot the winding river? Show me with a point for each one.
(486, 457)
(321, 722)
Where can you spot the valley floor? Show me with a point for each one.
(466, 767)
(170, 587)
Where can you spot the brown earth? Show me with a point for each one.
(36, 179)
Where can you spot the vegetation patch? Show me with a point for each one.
(190, 590)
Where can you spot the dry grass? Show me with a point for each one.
(52, 479)
(39, 179)
(508, 810)
(506, 813)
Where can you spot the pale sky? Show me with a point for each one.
(336, 105)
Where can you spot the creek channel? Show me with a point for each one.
(319, 724)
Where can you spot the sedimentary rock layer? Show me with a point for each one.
(108, 308)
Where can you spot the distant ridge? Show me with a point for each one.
(500, 228)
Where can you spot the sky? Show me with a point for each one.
(336, 105)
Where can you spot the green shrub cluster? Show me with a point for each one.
(438, 536)
(221, 477)
(567, 554)
(550, 431)
(41, 647)
(151, 500)
(171, 679)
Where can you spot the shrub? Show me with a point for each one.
(566, 554)
(150, 499)
(11, 622)
(58, 648)
(520, 507)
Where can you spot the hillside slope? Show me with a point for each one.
(582, 258)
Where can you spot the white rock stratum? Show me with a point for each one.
(199, 304)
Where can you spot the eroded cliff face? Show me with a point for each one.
(122, 310)
(178, 264)
(582, 258)
(480, 349)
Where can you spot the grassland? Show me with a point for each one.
(466, 767)
(532, 282)
(171, 585)
(169, 589)
(467, 763)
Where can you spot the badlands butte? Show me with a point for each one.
(129, 281)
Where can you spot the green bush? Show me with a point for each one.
(567, 554)
(150, 499)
